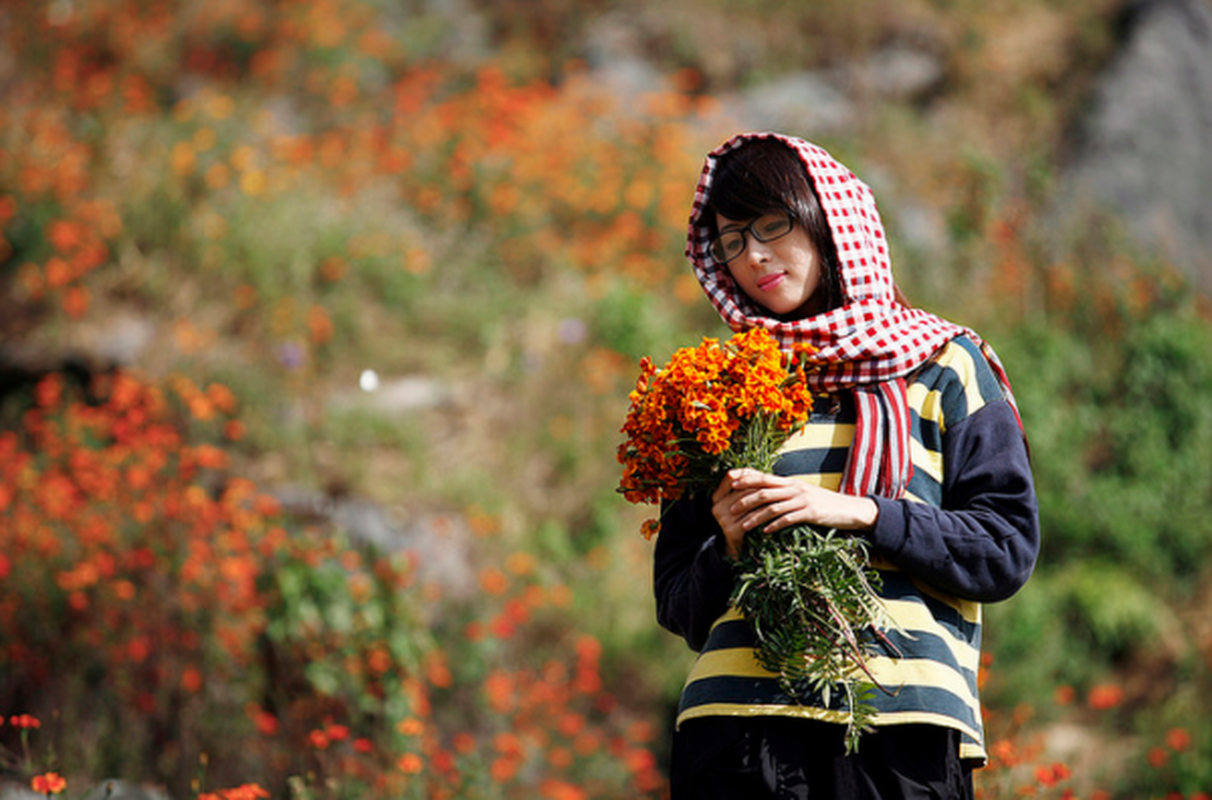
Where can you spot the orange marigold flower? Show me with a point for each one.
(191, 680)
(411, 727)
(1051, 775)
(501, 690)
(210, 457)
(437, 672)
(266, 723)
(75, 301)
(493, 581)
(410, 764)
(1105, 696)
(233, 429)
(504, 769)
(1178, 739)
(48, 391)
(684, 416)
(554, 789)
(247, 791)
(48, 783)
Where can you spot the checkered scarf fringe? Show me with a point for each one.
(870, 344)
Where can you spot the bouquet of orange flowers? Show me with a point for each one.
(807, 593)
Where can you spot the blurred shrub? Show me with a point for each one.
(159, 608)
(164, 615)
(1121, 439)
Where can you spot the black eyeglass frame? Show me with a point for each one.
(715, 246)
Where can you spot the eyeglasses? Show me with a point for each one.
(766, 228)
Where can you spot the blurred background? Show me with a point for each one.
(318, 320)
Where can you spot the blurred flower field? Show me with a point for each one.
(288, 194)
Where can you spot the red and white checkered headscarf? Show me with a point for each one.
(869, 343)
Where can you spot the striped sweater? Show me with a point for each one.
(965, 533)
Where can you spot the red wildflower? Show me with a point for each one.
(1051, 775)
(48, 783)
(1105, 696)
(1178, 739)
(553, 789)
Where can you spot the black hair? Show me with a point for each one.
(764, 176)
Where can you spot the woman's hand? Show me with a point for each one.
(747, 499)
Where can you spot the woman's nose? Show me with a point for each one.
(758, 252)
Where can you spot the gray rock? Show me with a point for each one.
(105, 790)
(441, 543)
(899, 71)
(123, 790)
(617, 60)
(1144, 152)
(806, 103)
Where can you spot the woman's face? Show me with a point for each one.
(783, 276)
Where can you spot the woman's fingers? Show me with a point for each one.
(774, 502)
(746, 500)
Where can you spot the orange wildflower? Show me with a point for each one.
(266, 723)
(48, 783)
(504, 769)
(493, 581)
(191, 680)
(553, 789)
(411, 727)
(1105, 696)
(75, 301)
(1178, 739)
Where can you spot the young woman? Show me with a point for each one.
(914, 444)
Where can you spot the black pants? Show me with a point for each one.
(796, 759)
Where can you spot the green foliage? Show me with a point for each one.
(347, 631)
(1071, 624)
(1121, 436)
(637, 322)
(821, 581)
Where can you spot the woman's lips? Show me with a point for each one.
(768, 282)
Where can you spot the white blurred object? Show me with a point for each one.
(368, 381)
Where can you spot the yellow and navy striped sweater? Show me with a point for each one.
(966, 532)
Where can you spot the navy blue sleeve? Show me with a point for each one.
(692, 578)
(982, 543)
